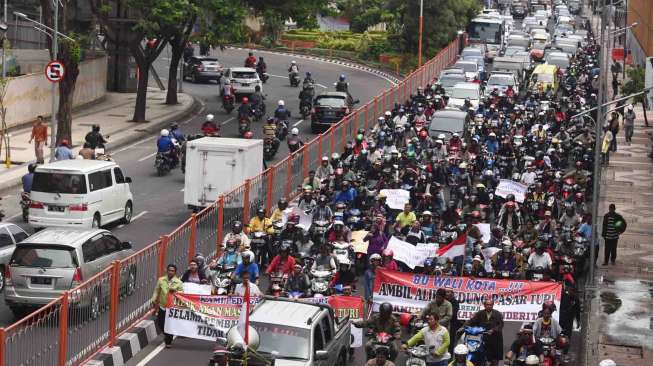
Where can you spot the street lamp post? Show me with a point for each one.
(421, 27)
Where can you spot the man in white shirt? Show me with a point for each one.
(529, 177)
(253, 288)
(540, 258)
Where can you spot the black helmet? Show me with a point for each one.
(174, 125)
(385, 309)
(282, 204)
(260, 211)
(251, 53)
(31, 167)
(237, 226)
(96, 128)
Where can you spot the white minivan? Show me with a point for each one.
(81, 194)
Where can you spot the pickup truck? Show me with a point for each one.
(290, 332)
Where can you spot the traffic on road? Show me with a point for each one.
(453, 227)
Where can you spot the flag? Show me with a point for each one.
(454, 249)
(243, 320)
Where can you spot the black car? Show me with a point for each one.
(202, 68)
(329, 108)
(518, 11)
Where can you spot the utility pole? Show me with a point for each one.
(4, 68)
(421, 27)
(55, 51)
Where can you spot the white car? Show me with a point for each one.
(462, 91)
(80, 194)
(470, 67)
(501, 81)
(243, 79)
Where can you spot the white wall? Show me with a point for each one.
(30, 95)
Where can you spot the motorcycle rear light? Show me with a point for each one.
(80, 207)
(37, 205)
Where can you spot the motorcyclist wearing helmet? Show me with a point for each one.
(282, 262)
(540, 258)
(345, 276)
(238, 235)
(325, 170)
(282, 113)
(245, 110)
(505, 261)
(294, 142)
(270, 132)
(346, 194)
(277, 214)
(307, 202)
(209, 127)
(524, 347)
(291, 232)
(298, 281)
(95, 138)
(257, 99)
(324, 260)
(230, 257)
(261, 66)
(510, 220)
(247, 265)
(176, 133)
(439, 306)
(322, 212)
(383, 321)
(260, 223)
(166, 146)
(460, 353)
(250, 61)
(343, 86)
(293, 70)
(339, 232)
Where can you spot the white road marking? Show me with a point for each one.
(227, 121)
(285, 77)
(5, 197)
(134, 144)
(146, 157)
(13, 216)
(298, 122)
(181, 190)
(152, 354)
(134, 218)
(320, 85)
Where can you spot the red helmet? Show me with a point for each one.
(404, 319)
(245, 100)
(423, 134)
(510, 204)
(580, 196)
(476, 214)
(249, 135)
(388, 253)
(294, 218)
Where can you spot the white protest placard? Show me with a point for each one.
(196, 289)
(485, 232)
(406, 252)
(488, 253)
(357, 242)
(507, 186)
(429, 250)
(396, 198)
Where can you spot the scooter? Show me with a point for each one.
(342, 251)
(294, 79)
(320, 281)
(243, 126)
(258, 246)
(221, 279)
(163, 164)
(417, 355)
(25, 201)
(473, 338)
(263, 76)
(228, 103)
(380, 340)
(269, 149)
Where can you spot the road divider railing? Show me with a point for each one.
(91, 316)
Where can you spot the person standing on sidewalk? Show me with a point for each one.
(614, 128)
(165, 285)
(629, 123)
(40, 138)
(613, 226)
(605, 146)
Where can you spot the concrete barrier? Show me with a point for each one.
(30, 95)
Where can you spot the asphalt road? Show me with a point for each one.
(158, 201)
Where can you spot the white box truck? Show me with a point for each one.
(217, 165)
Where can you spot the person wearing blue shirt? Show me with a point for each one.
(347, 194)
(491, 144)
(28, 178)
(176, 133)
(247, 265)
(165, 145)
(63, 151)
(282, 113)
(231, 257)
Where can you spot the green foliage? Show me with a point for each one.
(162, 18)
(221, 21)
(365, 13)
(635, 83)
(275, 12)
(375, 50)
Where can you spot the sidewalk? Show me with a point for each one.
(113, 115)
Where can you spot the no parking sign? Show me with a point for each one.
(55, 71)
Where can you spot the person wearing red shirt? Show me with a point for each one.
(250, 61)
(282, 262)
(388, 262)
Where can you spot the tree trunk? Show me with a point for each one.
(141, 93)
(67, 91)
(644, 110)
(177, 45)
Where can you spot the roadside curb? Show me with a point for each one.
(144, 129)
(128, 345)
(350, 64)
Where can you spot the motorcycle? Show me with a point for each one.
(228, 103)
(354, 220)
(277, 282)
(320, 228)
(473, 338)
(221, 279)
(294, 79)
(282, 129)
(269, 149)
(293, 144)
(25, 202)
(549, 353)
(305, 108)
(320, 281)
(258, 246)
(263, 76)
(342, 251)
(380, 340)
(163, 164)
(417, 355)
(243, 126)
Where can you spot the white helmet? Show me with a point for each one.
(441, 136)
(164, 132)
(532, 360)
(293, 62)
(460, 349)
(281, 103)
(388, 113)
(249, 254)
(607, 362)
(209, 117)
(294, 131)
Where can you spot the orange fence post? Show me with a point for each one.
(113, 304)
(162, 254)
(3, 351)
(343, 138)
(356, 122)
(306, 156)
(288, 177)
(332, 138)
(220, 223)
(367, 122)
(63, 329)
(320, 152)
(383, 98)
(193, 235)
(376, 107)
(268, 203)
(246, 202)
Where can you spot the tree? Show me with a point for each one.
(365, 13)
(635, 84)
(275, 12)
(69, 53)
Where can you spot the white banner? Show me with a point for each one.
(430, 250)
(409, 254)
(396, 198)
(485, 232)
(196, 289)
(507, 186)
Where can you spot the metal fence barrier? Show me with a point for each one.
(82, 321)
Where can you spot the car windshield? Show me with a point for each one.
(333, 102)
(510, 51)
(544, 77)
(243, 75)
(447, 124)
(451, 80)
(472, 52)
(501, 80)
(538, 45)
(487, 32)
(50, 182)
(561, 62)
(462, 93)
(287, 342)
(467, 66)
(43, 256)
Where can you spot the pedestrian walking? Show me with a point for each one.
(605, 146)
(615, 68)
(615, 88)
(40, 138)
(629, 123)
(63, 151)
(614, 128)
(165, 285)
(613, 226)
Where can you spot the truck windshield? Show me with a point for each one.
(287, 342)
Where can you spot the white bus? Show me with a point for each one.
(487, 30)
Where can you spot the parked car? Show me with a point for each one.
(202, 68)
(329, 108)
(80, 194)
(243, 79)
(55, 260)
(10, 235)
